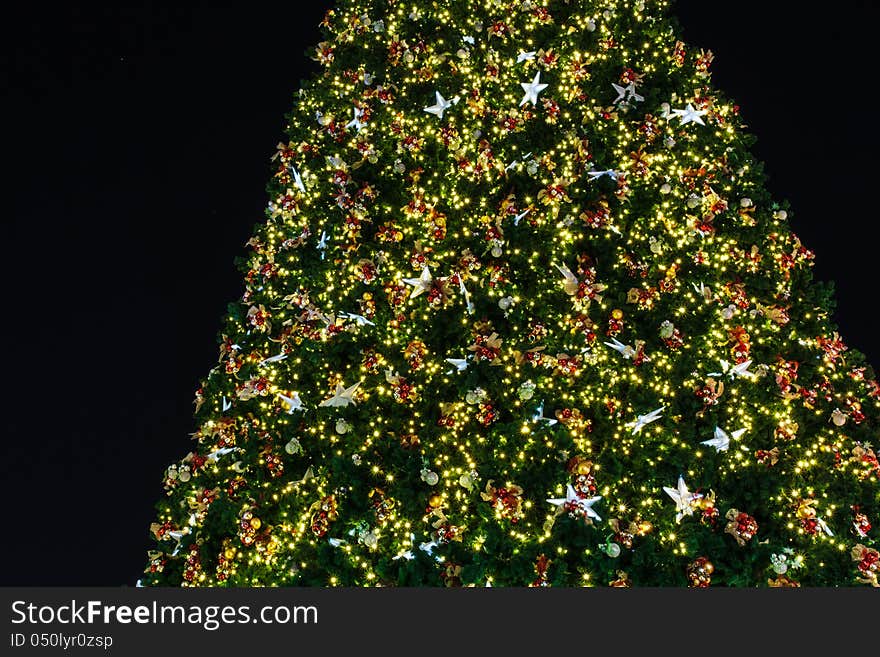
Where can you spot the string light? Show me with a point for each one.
(549, 225)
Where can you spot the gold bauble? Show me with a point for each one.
(617, 313)
(435, 500)
(256, 523)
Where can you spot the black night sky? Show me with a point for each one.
(136, 147)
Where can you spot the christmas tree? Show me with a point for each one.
(522, 313)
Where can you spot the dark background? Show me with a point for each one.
(136, 145)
